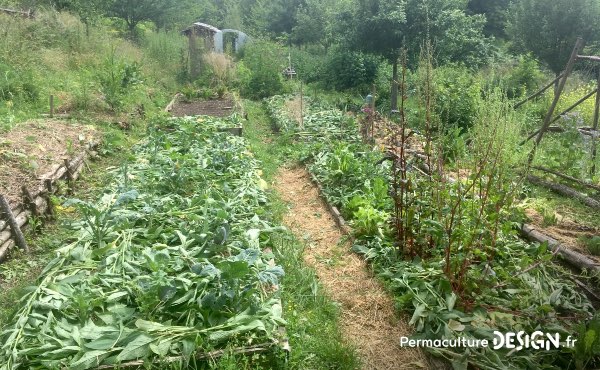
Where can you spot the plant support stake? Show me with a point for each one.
(14, 227)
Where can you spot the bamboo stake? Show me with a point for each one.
(569, 68)
(16, 231)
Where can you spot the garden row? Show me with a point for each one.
(452, 255)
(171, 266)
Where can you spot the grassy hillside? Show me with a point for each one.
(92, 73)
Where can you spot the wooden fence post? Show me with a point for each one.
(51, 106)
(48, 194)
(595, 127)
(29, 201)
(12, 223)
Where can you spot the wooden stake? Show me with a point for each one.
(12, 223)
(301, 107)
(29, 200)
(51, 106)
(595, 127)
(48, 194)
(563, 113)
(568, 69)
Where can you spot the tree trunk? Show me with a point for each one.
(394, 92)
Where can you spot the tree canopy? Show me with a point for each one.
(548, 29)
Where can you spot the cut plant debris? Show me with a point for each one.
(171, 263)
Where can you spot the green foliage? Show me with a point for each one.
(549, 29)
(457, 36)
(524, 78)
(488, 286)
(18, 85)
(346, 69)
(592, 244)
(495, 13)
(259, 73)
(116, 78)
(457, 96)
(170, 261)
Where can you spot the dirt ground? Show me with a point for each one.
(369, 321)
(217, 108)
(31, 149)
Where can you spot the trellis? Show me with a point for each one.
(560, 82)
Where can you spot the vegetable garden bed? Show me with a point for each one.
(171, 265)
(521, 289)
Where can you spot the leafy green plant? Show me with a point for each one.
(170, 262)
(260, 74)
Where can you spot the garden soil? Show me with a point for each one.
(368, 318)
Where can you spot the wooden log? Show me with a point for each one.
(171, 104)
(565, 190)
(575, 258)
(29, 201)
(5, 249)
(567, 177)
(21, 219)
(592, 58)
(47, 195)
(12, 222)
(28, 14)
(333, 210)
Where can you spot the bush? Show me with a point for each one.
(349, 69)
(259, 74)
(18, 85)
(457, 93)
(309, 66)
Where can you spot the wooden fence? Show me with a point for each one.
(36, 203)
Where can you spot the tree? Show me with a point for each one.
(549, 29)
(455, 35)
(495, 13)
(135, 11)
(376, 26)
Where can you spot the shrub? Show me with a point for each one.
(457, 95)
(350, 69)
(260, 73)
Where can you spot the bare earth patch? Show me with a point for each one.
(368, 321)
(217, 108)
(31, 149)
